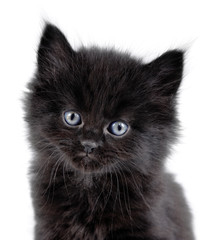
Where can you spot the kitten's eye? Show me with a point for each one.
(72, 118)
(118, 128)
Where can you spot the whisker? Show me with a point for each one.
(65, 164)
(51, 180)
(125, 191)
(118, 192)
(138, 189)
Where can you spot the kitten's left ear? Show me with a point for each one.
(54, 51)
(165, 73)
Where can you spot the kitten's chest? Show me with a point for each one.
(90, 221)
(75, 215)
(77, 232)
(87, 213)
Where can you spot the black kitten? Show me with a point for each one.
(101, 124)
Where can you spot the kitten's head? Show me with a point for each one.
(102, 110)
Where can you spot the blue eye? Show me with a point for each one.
(72, 118)
(118, 128)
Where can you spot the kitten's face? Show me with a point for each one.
(100, 110)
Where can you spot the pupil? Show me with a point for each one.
(119, 127)
(72, 116)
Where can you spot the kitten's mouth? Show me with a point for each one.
(87, 159)
(82, 154)
(86, 163)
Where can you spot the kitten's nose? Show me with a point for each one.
(89, 145)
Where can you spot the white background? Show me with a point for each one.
(146, 29)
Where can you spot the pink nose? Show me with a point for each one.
(89, 146)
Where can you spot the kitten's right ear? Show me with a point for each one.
(54, 53)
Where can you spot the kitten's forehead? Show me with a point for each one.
(107, 89)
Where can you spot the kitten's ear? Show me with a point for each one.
(54, 51)
(165, 73)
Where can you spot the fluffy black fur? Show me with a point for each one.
(121, 189)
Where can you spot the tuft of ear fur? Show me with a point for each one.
(54, 53)
(165, 73)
